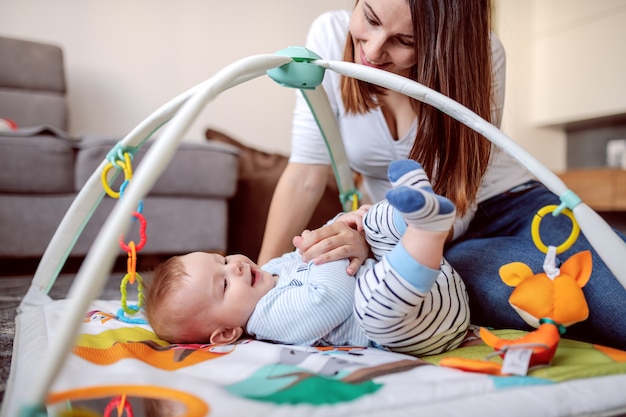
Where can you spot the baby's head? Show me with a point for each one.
(204, 297)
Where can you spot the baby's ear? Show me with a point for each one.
(226, 335)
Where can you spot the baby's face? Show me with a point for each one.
(228, 287)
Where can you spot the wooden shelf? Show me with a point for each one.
(602, 189)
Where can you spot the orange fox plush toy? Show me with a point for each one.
(549, 301)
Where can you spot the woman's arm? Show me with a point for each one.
(297, 194)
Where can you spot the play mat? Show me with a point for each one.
(252, 378)
(81, 356)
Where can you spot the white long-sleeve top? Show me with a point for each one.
(370, 147)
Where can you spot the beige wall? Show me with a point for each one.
(565, 63)
(513, 23)
(579, 60)
(124, 59)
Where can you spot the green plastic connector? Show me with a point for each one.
(569, 200)
(37, 410)
(299, 73)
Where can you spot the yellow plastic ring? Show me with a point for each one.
(126, 167)
(105, 183)
(534, 229)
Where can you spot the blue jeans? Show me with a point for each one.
(500, 234)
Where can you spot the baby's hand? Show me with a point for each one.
(354, 219)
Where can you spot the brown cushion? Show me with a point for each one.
(258, 174)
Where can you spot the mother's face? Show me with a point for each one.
(382, 32)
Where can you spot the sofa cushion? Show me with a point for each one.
(207, 169)
(31, 65)
(37, 160)
(32, 83)
(28, 108)
(174, 225)
(29, 221)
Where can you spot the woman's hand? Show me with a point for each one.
(343, 239)
(354, 219)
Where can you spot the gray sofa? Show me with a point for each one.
(42, 168)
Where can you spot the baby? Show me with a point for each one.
(408, 300)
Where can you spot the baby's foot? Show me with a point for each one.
(409, 173)
(422, 208)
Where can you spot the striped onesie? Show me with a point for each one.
(393, 302)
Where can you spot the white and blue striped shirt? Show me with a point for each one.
(310, 305)
(395, 303)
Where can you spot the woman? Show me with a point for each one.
(446, 45)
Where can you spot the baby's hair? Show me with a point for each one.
(166, 277)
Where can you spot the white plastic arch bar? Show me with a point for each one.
(91, 194)
(601, 236)
(317, 99)
(97, 265)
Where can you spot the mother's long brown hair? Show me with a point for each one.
(453, 56)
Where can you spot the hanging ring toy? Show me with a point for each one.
(121, 405)
(142, 233)
(534, 229)
(124, 166)
(105, 184)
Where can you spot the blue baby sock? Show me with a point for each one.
(409, 173)
(422, 208)
(414, 198)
